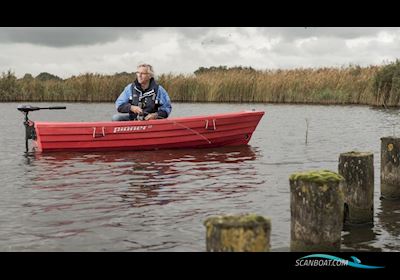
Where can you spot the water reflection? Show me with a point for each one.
(388, 119)
(359, 238)
(224, 154)
(389, 218)
(387, 111)
(145, 178)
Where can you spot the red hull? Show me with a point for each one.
(230, 129)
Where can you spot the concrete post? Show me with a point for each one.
(357, 168)
(316, 207)
(241, 233)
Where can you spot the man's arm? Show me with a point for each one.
(122, 103)
(165, 109)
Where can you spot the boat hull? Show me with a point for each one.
(232, 129)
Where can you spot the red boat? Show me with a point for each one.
(230, 129)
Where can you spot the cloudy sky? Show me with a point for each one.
(71, 51)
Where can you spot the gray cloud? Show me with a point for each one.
(295, 33)
(78, 36)
(192, 32)
(215, 40)
(68, 36)
(76, 50)
(207, 36)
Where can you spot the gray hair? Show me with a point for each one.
(149, 68)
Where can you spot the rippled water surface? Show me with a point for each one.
(158, 200)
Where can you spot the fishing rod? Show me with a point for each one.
(30, 132)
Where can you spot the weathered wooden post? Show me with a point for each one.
(357, 168)
(390, 167)
(240, 233)
(316, 207)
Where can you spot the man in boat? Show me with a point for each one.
(143, 99)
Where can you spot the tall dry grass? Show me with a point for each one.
(345, 85)
(351, 85)
(83, 88)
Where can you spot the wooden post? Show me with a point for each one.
(241, 233)
(316, 207)
(390, 167)
(357, 168)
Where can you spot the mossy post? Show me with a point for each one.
(238, 233)
(390, 167)
(316, 208)
(357, 168)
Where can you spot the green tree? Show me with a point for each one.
(44, 76)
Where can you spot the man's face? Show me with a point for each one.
(142, 74)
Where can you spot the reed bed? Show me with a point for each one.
(351, 85)
(373, 85)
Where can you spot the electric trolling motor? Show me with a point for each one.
(30, 132)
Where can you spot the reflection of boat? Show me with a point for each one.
(229, 154)
(139, 177)
(231, 129)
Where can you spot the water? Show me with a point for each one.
(158, 200)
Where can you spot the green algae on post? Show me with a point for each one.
(316, 208)
(238, 233)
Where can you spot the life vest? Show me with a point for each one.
(145, 99)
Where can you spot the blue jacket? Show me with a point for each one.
(123, 102)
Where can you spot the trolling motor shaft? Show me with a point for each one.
(30, 132)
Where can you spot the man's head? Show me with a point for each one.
(145, 70)
(144, 73)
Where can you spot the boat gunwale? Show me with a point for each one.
(149, 122)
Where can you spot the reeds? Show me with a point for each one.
(387, 85)
(350, 85)
(345, 85)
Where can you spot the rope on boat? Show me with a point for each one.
(184, 126)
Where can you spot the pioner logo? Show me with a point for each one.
(329, 260)
(131, 128)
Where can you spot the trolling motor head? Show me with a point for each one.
(29, 108)
(30, 132)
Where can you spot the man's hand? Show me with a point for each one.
(136, 109)
(152, 116)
